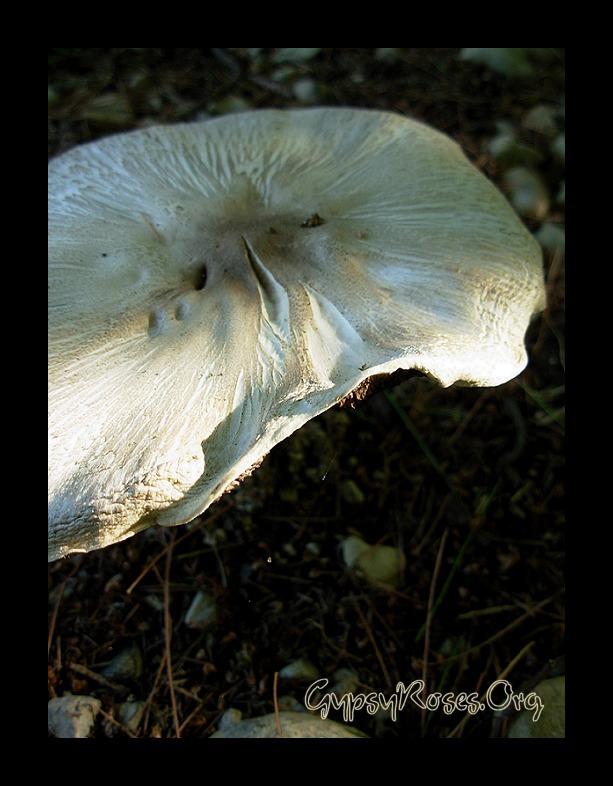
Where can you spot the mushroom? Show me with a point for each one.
(215, 285)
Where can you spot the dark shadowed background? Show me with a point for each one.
(467, 483)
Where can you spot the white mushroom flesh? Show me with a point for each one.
(215, 285)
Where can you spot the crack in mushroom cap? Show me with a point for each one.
(215, 285)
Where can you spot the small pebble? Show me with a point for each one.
(345, 681)
(509, 151)
(297, 55)
(527, 192)
(72, 717)
(351, 492)
(127, 665)
(306, 91)
(202, 612)
(299, 670)
(375, 564)
(542, 119)
(293, 725)
(552, 238)
(549, 697)
(510, 62)
(558, 148)
(130, 714)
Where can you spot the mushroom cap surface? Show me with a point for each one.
(215, 285)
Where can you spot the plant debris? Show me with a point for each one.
(467, 484)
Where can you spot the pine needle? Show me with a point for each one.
(168, 637)
(274, 693)
(424, 666)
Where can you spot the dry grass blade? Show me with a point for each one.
(409, 467)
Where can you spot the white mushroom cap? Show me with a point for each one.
(215, 285)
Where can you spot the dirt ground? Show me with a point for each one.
(467, 483)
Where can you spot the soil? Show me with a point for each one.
(467, 483)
